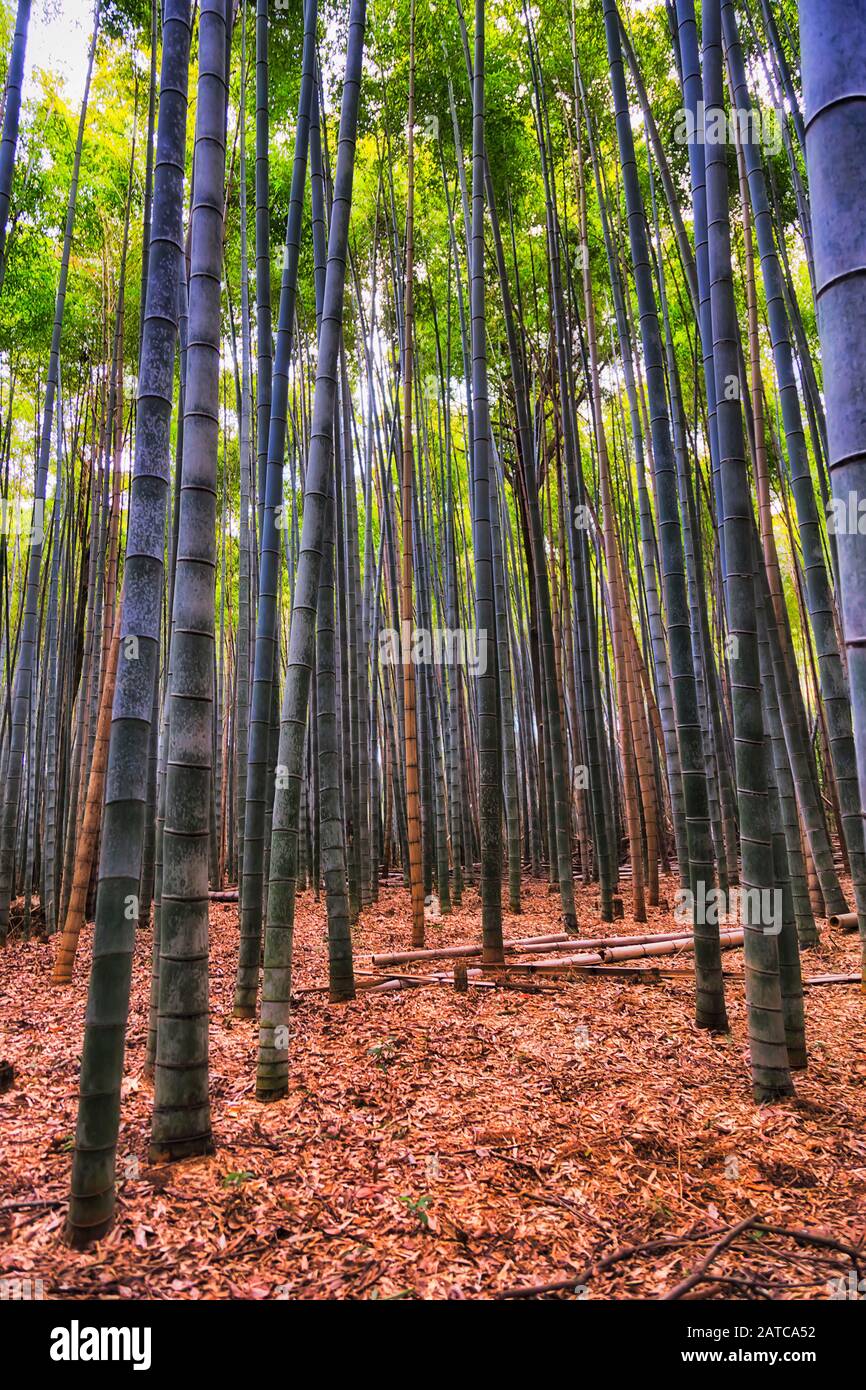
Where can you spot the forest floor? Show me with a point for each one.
(445, 1145)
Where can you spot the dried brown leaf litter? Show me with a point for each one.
(438, 1144)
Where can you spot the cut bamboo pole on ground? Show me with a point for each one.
(729, 940)
(603, 943)
(833, 979)
(528, 945)
(456, 952)
(845, 921)
(473, 979)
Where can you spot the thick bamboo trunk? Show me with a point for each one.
(410, 718)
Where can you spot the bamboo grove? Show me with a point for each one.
(431, 448)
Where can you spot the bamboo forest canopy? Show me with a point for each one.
(116, 148)
(431, 447)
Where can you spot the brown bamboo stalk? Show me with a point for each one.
(85, 850)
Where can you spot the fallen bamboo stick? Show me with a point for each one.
(624, 972)
(392, 983)
(833, 979)
(845, 921)
(603, 943)
(729, 939)
(379, 977)
(456, 952)
(530, 945)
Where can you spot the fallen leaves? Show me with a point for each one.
(446, 1146)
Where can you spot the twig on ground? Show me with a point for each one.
(700, 1270)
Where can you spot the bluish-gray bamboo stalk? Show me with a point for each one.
(833, 55)
(181, 1116)
(258, 789)
(819, 597)
(710, 997)
(771, 1076)
(24, 667)
(91, 1208)
(11, 115)
(272, 1073)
